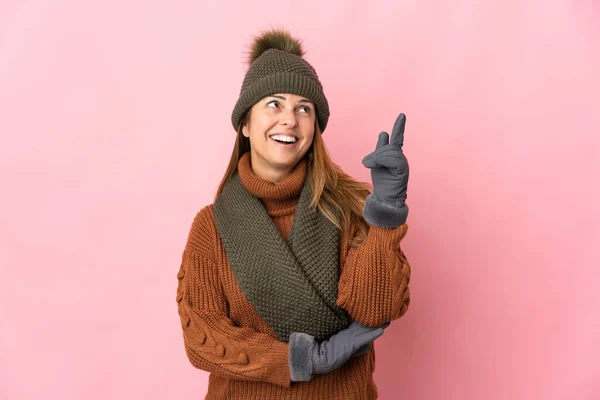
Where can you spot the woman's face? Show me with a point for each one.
(281, 129)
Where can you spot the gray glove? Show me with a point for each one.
(307, 357)
(386, 206)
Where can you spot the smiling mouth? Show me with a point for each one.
(284, 139)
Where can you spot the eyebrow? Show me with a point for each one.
(299, 101)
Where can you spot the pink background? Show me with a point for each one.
(114, 120)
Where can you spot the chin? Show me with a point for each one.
(284, 164)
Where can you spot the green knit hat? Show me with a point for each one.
(277, 66)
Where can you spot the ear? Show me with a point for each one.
(245, 131)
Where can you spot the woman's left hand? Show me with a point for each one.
(389, 166)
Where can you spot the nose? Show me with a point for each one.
(288, 119)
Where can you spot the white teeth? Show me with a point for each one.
(282, 138)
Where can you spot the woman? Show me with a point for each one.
(293, 272)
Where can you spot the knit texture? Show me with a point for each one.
(224, 334)
(277, 71)
(292, 284)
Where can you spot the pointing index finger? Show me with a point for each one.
(398, 131)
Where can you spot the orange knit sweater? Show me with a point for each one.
(224, 335)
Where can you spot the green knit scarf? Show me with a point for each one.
(292, 284)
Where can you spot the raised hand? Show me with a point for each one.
(389, 174)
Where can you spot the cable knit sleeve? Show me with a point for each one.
(212, 342)
(373, 286)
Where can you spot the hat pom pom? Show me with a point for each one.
(275, 39)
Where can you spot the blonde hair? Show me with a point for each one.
(335, 194)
